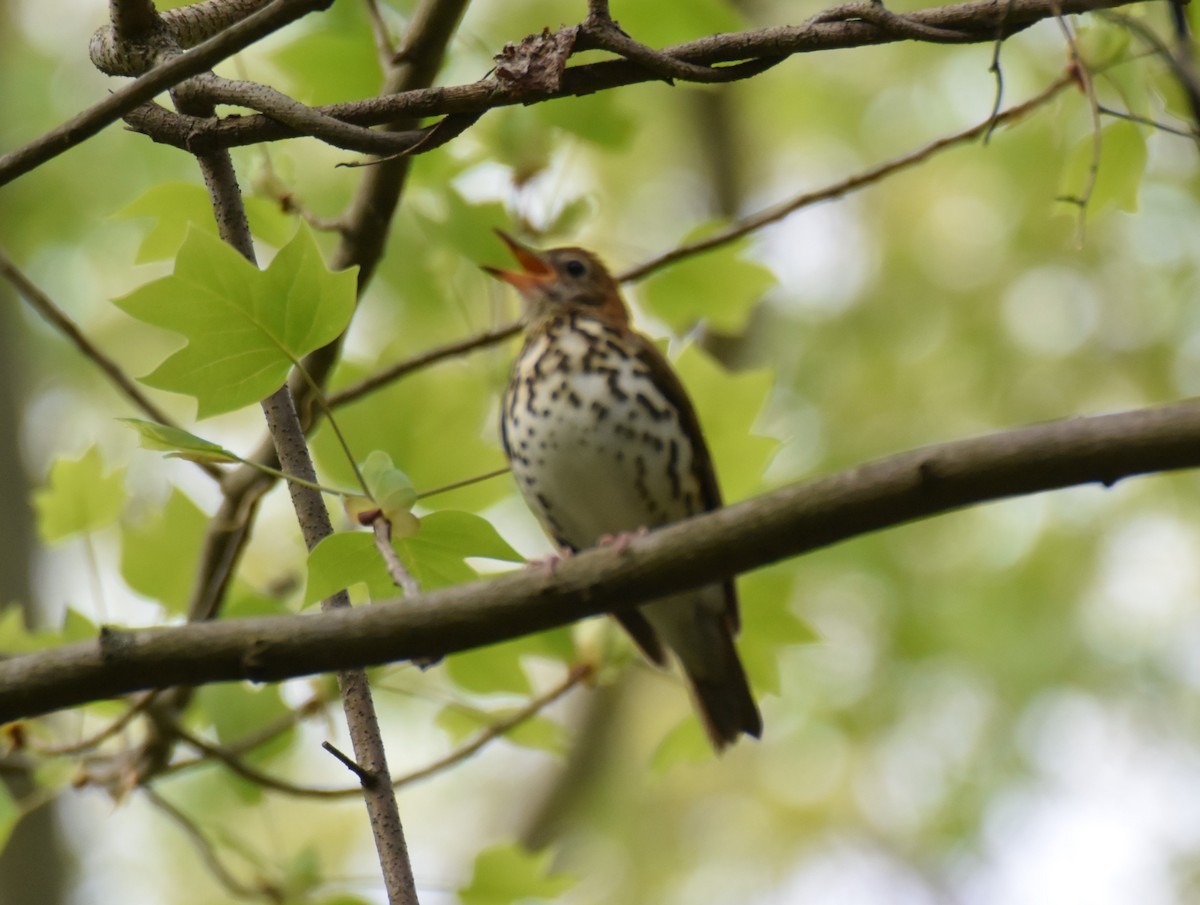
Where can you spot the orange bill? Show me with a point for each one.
(535, 269)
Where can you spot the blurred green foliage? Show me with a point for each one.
(938, 698)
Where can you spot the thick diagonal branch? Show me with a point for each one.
(778, 525)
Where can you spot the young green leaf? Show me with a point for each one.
(245, 327)
(1123, 157)
(178, 443)
(78, 497)
(391, 488)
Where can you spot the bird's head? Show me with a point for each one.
(560, 280)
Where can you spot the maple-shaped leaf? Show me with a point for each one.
(245, 327)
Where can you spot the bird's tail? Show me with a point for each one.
(699, 627)
(723, 698)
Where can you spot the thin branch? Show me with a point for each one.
(777, 212)
(697, 552)
(98, 738)
(1180, 62)
(381, 528)
(208, 853)
(465, 482)
(203, 57)
(974, 21)
(401, 369)
(601, 32)
(385, 46)
(58, 319)
(1145, 121)
(1083, 77)
(489, 733)
(499, 728)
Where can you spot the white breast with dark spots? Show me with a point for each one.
(595, 446)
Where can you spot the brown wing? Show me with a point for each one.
(702, 466)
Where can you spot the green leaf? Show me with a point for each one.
(1103, 44)
(729, 405)
(245, 327)
(78, 497)
(326, 64)
(238, 710)
(178, 443)
(506, 874)
(436, 555)
(391, 488)
(159, 557)
(10, 813)
(1122, 163)
(720, 286)
(498, 667)
(343, 560)
(176, 206)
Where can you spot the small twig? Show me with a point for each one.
(1083, 77)
(466, 482)
(385, 46)
(777, 212)
(536, 705)
(264, 889)
(421, 140)
(1146, 121)
(998, 71)
(1181, 63)
(93, 741)
(425, 359)
(368, 779)
(500, 727)
(252, 774)
(401, 577)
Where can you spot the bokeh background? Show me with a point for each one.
(994, 706)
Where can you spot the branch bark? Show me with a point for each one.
(976, 21)
(201, 58)
(780, 524)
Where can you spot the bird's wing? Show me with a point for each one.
(702, 465)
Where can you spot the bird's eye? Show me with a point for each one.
(576, 268)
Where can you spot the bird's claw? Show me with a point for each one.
(620, 542)
(548, 564)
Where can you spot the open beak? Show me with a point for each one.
(535, 272)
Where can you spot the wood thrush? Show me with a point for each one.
(603, 440)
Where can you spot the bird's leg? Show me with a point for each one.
(620, 542)
(548, 564)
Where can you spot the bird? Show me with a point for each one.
(604, 442)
